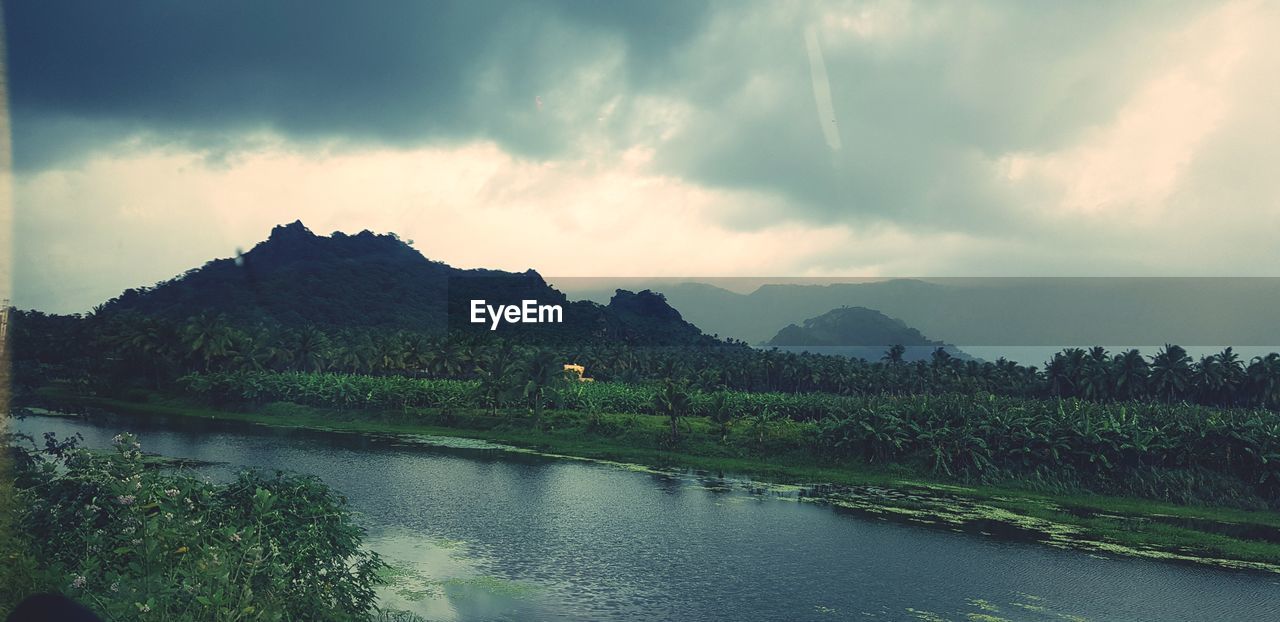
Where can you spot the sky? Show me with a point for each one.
(804, 139)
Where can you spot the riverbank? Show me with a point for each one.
(772, 452)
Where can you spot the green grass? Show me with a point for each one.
(776, 451)
(1168, 452)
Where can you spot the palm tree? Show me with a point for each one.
(1095, 374)
(895, 354)
(1129, 373)
(147, 345)
(353, 351)
(1209, 380)
(1058, 373)
(1170, 373)
(1233, 376)
(388, 354)
(310, 348)
(415, 352)
(1264, 380)
(720, 412)
(251, 352)
(544, 374)
(207, 338)
(445, 360)
(495, 370)
(672, 400)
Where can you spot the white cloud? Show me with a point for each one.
(125, 221)
(1134, 165)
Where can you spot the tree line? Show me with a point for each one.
(1174, 452)
(129, 349)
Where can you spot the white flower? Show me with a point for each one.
(125, 499)
(78, 582)
(171, 492)
(235, 537)
(115, 586)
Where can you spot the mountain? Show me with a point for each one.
(1010, 311)
(851, 326)
(858, 332)
(296, 277)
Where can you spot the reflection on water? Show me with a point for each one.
(476, 533)
(442, 580)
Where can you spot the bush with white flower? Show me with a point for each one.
(134, 542)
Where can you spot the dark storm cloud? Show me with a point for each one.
(925, 97)
(85, 73)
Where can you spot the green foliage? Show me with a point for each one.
(672, 401)
(544, 379)
(110, 353)
(1167, 451)
(135, 543)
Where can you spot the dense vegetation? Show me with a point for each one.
(133, 542)
(107, 352)
(1163, 427)
(1172, 452)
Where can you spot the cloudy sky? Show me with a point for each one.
(877, 138)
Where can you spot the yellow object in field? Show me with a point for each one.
(578, 371)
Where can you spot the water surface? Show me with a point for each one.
(484, 534)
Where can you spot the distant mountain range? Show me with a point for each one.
(371, 280)
(368, 280)
(1008, 311)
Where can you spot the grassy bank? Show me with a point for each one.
(1174, 452)
(776, 451)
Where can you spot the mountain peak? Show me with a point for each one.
(646, 303)
(293, 230)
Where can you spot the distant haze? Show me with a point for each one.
(973, 313)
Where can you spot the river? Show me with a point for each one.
(478, 533)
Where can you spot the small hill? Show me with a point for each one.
(851, 326)
(858, 331)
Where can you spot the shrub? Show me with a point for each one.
(136, 543)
